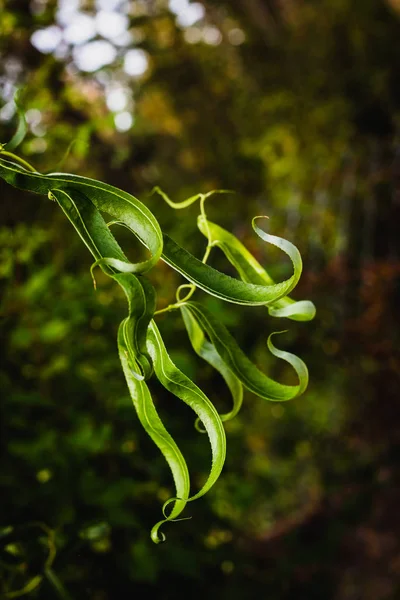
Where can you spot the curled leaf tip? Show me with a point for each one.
(278, 332)
(185, 286)
(168, 517)
(166, 503)
(303, 310)
(157, 536)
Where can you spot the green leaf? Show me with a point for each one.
(228, 288)
(142, 302)
(251, 271)
(140, 294)
(107, 198)
(300, 310)
(89, 224)
(225, 287)
(246, 371)
(208, 352)
(154, 427)
(181, 386)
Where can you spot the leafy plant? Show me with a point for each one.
(141, 348)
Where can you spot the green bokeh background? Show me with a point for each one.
(298, 113)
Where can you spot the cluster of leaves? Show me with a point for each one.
(286, 119)
(141, 348)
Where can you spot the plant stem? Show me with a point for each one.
(23, 162)
(169, 308)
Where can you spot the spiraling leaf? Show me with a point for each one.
(142, 302)
(153, 425)
(89, 224)
(181, 386)
(251, 377)
(106, 198)
(140, 294)
(225, 287)
(208, 352)
(251, 271)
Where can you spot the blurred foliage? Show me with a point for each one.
(295, 106)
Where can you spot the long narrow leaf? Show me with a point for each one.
(228, 288)
(207, 351)
(89, 224)
(154, 427)
(251, 271)
(106, 198)
(181, 386)
(251, 377)
(141, 221)
(142, 302)
(140, 294)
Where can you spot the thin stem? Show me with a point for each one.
(23, 162)
(168, 308)
(208, 232)
(207, 253)
(192, 287)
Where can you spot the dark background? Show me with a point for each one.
(295, 105)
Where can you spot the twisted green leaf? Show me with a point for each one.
(246, 371)
(132, 334)
(207, 351)
(154, 427)
(142, 303)
(248, 267)
(181, 386)
(232, 290)
(127, 209)
(251, 271)
(227, 288)
(140, 294)
(106, 198)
